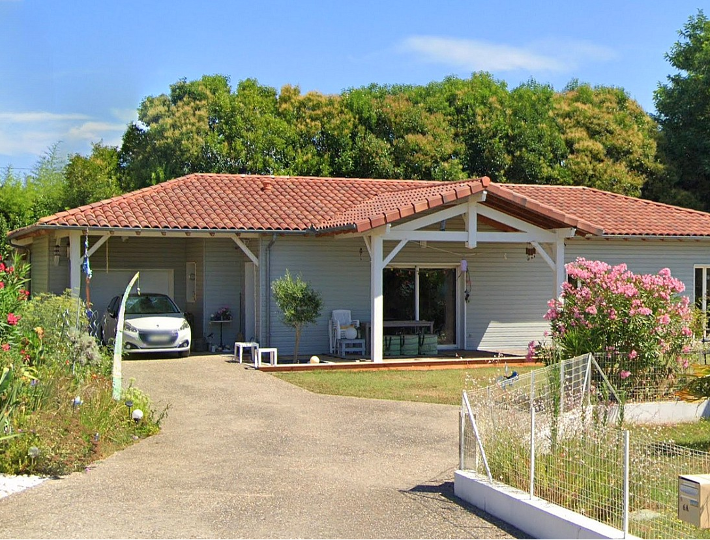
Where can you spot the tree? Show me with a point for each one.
(177, 134)
(25, 200)
(93, 178)
(683, 106)
(299, 303)
(321, 128)
(611, 141)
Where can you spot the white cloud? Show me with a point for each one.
(39, 116)
(31, 133)
(125, 115)
(476, 55)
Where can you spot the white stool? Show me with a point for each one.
(241, 345)
(351, 346)
(271, 351)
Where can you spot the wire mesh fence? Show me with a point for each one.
(556, 434)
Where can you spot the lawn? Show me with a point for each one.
(430, 386)
(695, 435)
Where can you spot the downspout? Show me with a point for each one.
(267, 270)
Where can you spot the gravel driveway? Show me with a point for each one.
(243, 454)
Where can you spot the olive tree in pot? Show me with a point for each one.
(299, 303)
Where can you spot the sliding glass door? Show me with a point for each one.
(427, 294)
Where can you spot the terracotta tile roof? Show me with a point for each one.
(617, 215)
(394, 205)
(231, 202)
(214, 202)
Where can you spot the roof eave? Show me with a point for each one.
(38, 230)
(582, 227)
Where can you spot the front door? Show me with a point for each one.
(427, 294)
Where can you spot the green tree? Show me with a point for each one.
(321, 127)
(536, 146)
(24, 200)
(93, 178)
(479, 113)
(299, 303)
(398, 137)
(683, 105)
(177, 134)
(611, 141)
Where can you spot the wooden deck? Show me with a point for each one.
(449, 360)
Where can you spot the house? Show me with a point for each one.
(480, 259)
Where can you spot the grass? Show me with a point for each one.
(694, 435)
(429, 386)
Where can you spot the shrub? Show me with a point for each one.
(639, 323)
(56, 408)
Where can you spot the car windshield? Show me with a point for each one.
(150, 304)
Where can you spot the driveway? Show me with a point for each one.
(243, 454)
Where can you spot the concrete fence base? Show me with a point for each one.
(536, 517)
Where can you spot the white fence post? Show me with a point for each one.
(532, 452)
(625, 526)
(478, 436)
(462, 436)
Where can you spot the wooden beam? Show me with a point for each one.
(246, 250)
(100, 242)
(394, 252)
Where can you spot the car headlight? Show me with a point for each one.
(185, 325)
(128, 327)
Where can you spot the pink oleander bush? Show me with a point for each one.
(636, 324)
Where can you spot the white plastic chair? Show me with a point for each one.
(340, 322)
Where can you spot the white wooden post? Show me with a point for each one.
(377, 299)
(560, 273)
(416, 293)
(75, 263)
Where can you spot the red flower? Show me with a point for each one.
(12, 319)
(2, 283)
(5, 346)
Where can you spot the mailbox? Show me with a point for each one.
(694, 499)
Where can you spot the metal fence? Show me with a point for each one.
(555, 433)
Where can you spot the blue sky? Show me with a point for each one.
(74, 72)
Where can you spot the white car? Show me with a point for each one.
(152, 324)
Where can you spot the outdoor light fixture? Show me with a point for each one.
(137, 415)
(129, 404)
(57, 253)
(530, 252)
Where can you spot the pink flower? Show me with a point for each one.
(12, 319)
(5, 346)
(633, 354)
(531, 351)
(624, 374)
(592, 310)
(664, 319)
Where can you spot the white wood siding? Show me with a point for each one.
(195, 252)
(141, 254)
(39, 266)
(508, 298)
(646, 257)
(224, 274)
(336, 269)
